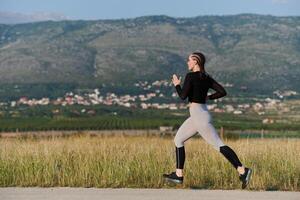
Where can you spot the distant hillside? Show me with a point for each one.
(261, 52)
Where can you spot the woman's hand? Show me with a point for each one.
(175, 80)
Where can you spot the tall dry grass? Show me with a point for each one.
(140, 161)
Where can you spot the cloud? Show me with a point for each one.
(16, 17)
(280, 1)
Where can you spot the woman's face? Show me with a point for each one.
(191, 62)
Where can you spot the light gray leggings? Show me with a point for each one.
(199, 121)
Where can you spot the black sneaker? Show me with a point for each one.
(172, 177)
(245, 178)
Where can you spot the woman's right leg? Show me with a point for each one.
(203, 122)
(204, 126)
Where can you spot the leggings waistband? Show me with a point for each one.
(200, 106)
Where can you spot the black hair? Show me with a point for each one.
(200, 58)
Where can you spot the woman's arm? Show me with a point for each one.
(220, 91)
(183, 92)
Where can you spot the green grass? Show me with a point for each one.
(34, 119)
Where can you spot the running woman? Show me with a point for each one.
(195, 87)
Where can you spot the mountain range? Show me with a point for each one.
(258, 52)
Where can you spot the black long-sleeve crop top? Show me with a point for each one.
(196, 85)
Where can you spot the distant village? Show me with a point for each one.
(142, 100)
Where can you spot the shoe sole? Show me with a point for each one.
(173, 180)
(248, 177)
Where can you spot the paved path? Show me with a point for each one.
(68, 193)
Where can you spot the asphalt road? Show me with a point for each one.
(70, 193)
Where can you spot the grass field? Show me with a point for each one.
(42, 118)
(139, 161)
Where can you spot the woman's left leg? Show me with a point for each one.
(185, 131)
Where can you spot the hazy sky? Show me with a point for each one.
(114, 9)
